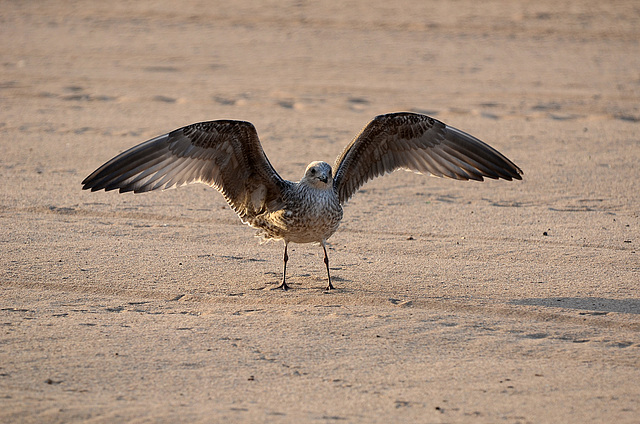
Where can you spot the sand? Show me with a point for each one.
(456, 301)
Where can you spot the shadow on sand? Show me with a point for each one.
(591, 305)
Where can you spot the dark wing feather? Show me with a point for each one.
(226, 155)
(417, 143)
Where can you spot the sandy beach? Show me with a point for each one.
(514, 302)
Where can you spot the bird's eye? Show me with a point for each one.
(313, 171)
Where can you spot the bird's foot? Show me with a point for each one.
(330, 287)
(282, 286)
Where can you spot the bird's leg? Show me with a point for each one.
(326, 263)
(285, 258)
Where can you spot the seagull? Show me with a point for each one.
(227, 155)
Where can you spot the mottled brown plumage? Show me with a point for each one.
(227, 155)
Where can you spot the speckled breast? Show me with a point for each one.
(309, 216)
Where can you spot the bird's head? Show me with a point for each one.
(318, 175)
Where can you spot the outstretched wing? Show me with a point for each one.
(418, 143)
(226, 155)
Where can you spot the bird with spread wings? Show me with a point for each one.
(228, 156)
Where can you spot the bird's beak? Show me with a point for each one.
(323, 179)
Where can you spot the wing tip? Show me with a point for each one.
(97, 185)
(515, 173)
(88, 184)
